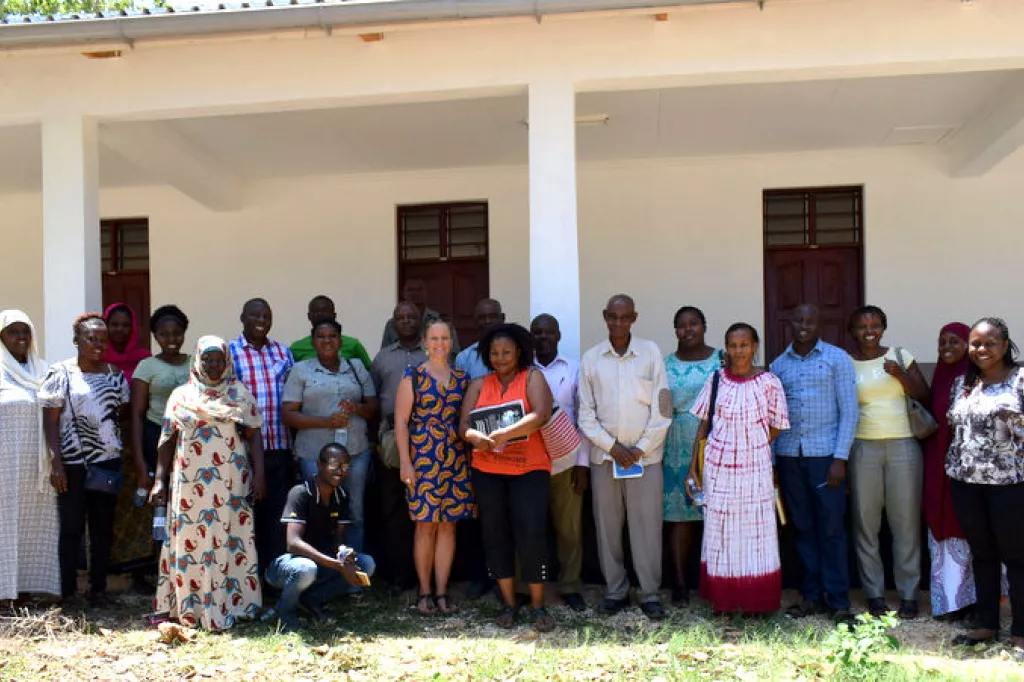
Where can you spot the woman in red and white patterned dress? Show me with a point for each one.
(740, 569)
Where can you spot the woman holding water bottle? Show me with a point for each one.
(152, 382)
(330, 399)
(209, 573)
(740, 567)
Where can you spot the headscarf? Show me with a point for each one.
(133, 354)
(937, 503)
(29, 377)
(202, 399)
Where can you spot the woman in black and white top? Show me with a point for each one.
(986, 464)
(82, 398)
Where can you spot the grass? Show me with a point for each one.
(384, 639)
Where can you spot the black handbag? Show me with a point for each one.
(100, 480)
(97, 479)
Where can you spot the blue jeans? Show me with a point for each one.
(301, 579)
(355, 487)
(816, 513)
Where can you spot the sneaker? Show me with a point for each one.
(613, 606)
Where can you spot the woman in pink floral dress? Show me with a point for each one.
(740, 569)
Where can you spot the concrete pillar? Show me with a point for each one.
(554, 244)
(71, 228)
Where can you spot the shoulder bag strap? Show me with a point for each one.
(74, 417)
(903, 366)
(714, 401)
(362, 392)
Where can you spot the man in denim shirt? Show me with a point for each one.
(811, 456)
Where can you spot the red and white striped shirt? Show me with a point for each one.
(264, 372)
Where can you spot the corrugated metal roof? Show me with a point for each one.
(16, 19)
(128, 26)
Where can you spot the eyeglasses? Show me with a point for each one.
(343, 468)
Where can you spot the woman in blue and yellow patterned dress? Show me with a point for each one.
(434, 463)
(688, 370)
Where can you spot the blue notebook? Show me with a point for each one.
(635, 471)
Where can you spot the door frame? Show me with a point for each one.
(485, 259)
(765, 247)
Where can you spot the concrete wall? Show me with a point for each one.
(667, 232)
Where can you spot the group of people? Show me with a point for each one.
(261, 455)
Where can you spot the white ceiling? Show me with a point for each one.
(678, 122)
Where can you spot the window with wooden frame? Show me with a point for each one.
(823, 216)
(442, 232)
(124, 245)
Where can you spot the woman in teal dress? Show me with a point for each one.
(434, 463)
(688, 370)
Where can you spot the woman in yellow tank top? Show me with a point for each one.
(886, 469)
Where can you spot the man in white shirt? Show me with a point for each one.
(570, 476)
(625, 409)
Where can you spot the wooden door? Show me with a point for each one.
(446, 246)
(812, 254)
(125, 262)
(828, 278)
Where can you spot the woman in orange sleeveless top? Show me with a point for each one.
(511, 467)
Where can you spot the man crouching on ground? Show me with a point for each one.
(317, 566)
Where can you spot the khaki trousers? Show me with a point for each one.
(567, 518)
(636, 503)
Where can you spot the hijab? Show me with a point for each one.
(203, 399)
(938, 505)
(133, 354)
(29, 377)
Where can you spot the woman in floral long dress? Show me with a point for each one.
(209, 573)
(687, 370)
(740, 567)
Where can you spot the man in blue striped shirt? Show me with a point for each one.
(810, 457)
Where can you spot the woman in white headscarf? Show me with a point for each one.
(210, 459)
(29, 528)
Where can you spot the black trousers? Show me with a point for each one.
(990, 516)
(514, 518)
(279, 469)
(395, 529)
(76, 508)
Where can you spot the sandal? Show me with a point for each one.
(507, 618)
(542, 620)
(425, 605)
(447, 608)
(975, 638)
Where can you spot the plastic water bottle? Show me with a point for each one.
(698, 495)
(341, 437)
(160, 524)
(141, 494)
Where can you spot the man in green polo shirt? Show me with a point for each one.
(320, 308)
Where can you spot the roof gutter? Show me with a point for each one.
(322, 16)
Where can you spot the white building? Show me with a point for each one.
(588, 147)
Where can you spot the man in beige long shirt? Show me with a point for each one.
(625, 411)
